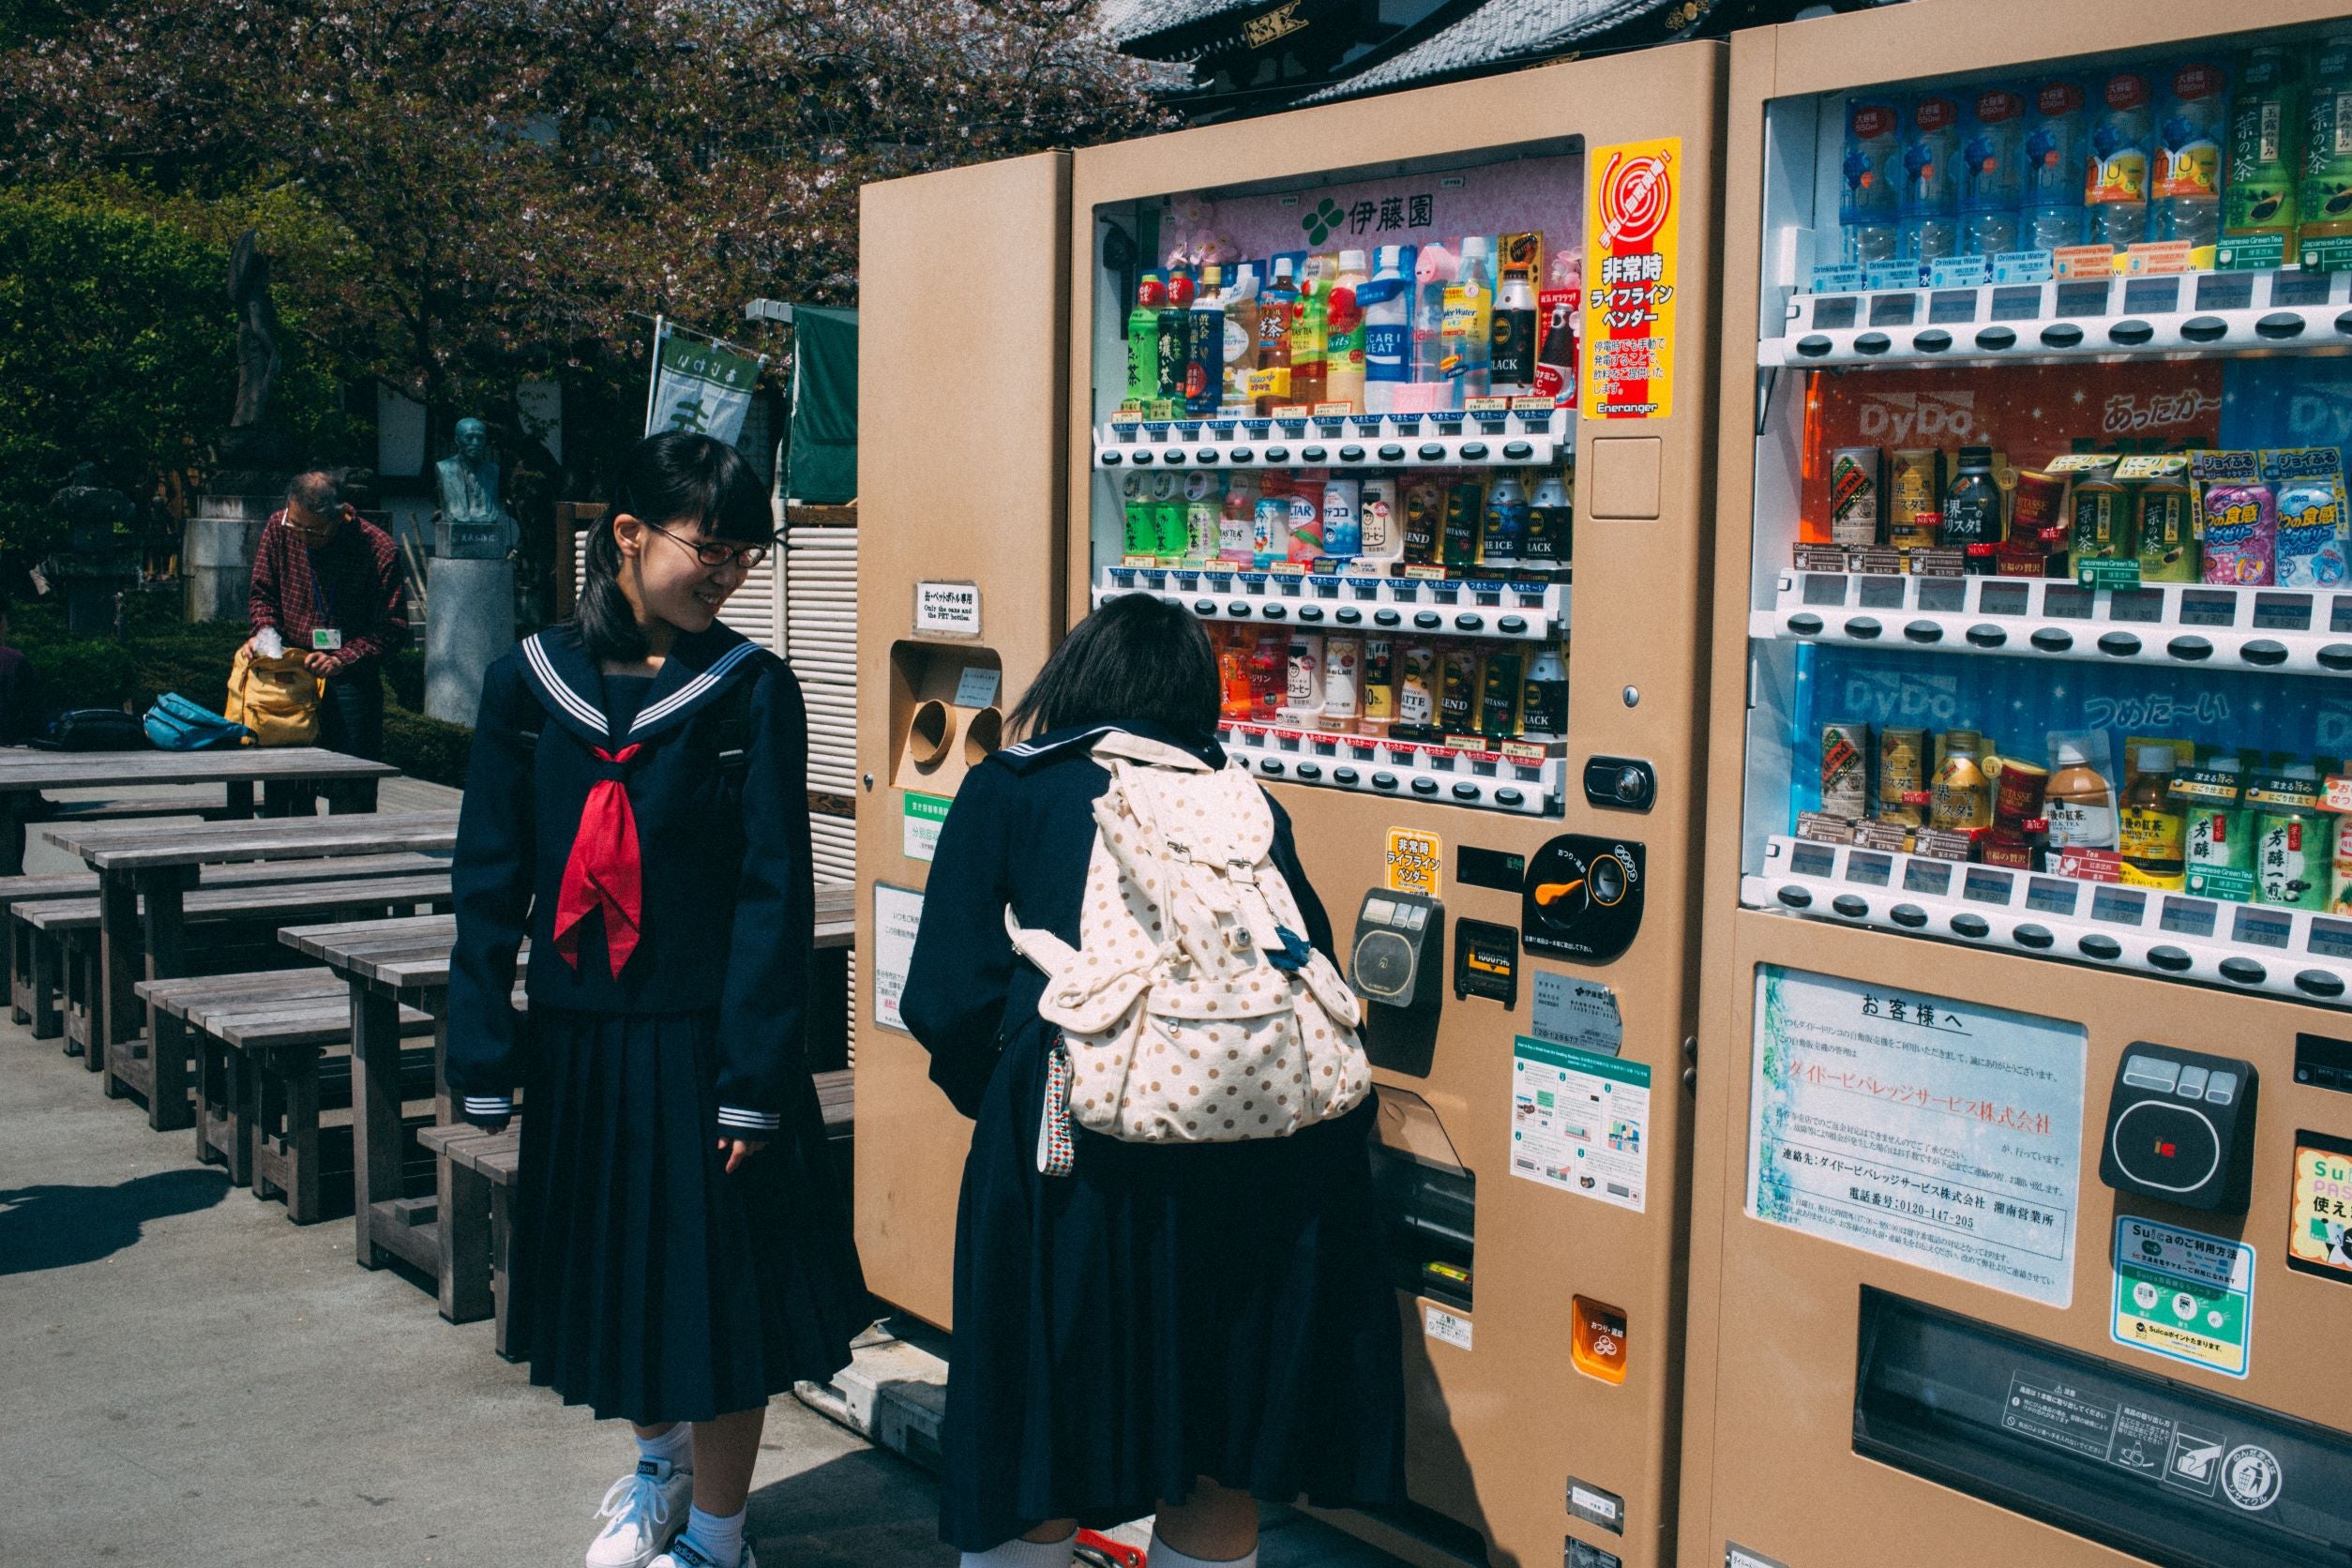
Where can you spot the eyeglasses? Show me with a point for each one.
(716, 554)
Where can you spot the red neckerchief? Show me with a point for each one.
(604, 872)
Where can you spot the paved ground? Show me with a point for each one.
(192, 1380)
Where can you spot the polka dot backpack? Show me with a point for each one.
(1192, 1010)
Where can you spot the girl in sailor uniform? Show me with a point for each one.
(636, 808)
(1173, 1328)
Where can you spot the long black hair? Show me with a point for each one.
(675, 477)
(1136, 659)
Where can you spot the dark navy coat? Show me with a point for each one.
(1162, 1313)
(727, 919)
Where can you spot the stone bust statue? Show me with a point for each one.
(473, 518)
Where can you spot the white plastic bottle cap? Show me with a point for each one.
(1390, 256)
(2072, 755)
(1473, 244)
(2155, 758)
(1351, 261)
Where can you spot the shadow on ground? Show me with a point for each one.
(52, 1226)
(852, 1512)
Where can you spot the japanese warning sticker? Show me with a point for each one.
(1937, 1133)
(1630, 229)
(2320, 1240)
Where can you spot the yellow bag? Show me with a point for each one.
(275, 698)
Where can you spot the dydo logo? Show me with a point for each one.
(1636, 195)
(1894, 418)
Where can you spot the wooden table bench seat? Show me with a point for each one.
(154, 1065)
(265, 1074)
(36, 1003)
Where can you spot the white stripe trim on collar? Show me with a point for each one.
(572, 703)
(695, 687)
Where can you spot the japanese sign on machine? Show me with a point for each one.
(2183, 1294)
(1939, 1133)
(1580, 1121)
(1631, 264)
(700, 386)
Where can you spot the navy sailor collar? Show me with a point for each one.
(569, 685)
(1029, 754)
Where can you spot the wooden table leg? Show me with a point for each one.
(501, 1260)
(166, 935)
(116, 1003)
(19, 972)
(464, 1204)
(299, 1069)
(238, 800)
(375, 1113)
(49, 983)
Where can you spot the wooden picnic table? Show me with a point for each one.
(145, 871)
(24, 769)
(396, 963)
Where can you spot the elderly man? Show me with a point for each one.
(328, 583)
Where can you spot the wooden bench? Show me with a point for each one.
(36, 1003)
(263, 1044)
(477, 1172)
(155, 1066)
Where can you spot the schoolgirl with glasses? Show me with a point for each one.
(637, 807)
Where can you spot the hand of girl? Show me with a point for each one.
(738, 1150)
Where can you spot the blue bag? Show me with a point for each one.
(176, 724)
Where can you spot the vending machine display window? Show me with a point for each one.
(1335, 418)
(2052, 564)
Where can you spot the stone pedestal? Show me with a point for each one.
(217, 545)
(469, 622)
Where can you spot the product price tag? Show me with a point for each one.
(2022, 266)
(1837, 280)
(1939, 563)
(2118, 575)
(1876, 560)
(1334, 411)
(1819, 827)
(1957, 272)
(1820, 558)
(2084, 260)
(1936, 844)
(2159, 256)
(1890, 275)
(2098, 866)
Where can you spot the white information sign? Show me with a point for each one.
(1939, 1133)
(1580, 1121)
(897, 910)
(947, 609)
(1451, 1328)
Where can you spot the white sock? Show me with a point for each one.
(720, 1540)
(1018, 1553)
(675, 1445)
(1162, 1555)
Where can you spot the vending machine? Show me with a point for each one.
(1409, 400)
(959, 603)
(2020, 1203)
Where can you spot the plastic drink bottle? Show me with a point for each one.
(1204, 347)
(1502, 529)
(1241, 340)
(1929, 227)
(2185, 186)
(1992, 172)
(1869, 180)
(2324, 203)
(1204, 510)
(1345, 377)
(1387, 300)
(1134, 494)
(1433, 272)
(1143, 339)
(1469, 308)
(1381, 522)
(1273, 339)
(1310, 334)
(2115, 188)
(1175, 327)
(1237, 520)
(1510, 345)
(2054, 152)
(1343, 519)
(1168, 517)
(2259, 177)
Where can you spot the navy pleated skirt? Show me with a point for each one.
(648, 1283)
(1223, 1310)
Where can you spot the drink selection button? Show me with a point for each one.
(2243, 972)
(2320, 982)
(2131, 334)
(2036, 937)
(1973, 927)
(2280, 325)
(2097, 946)
(2204, 329)
(2263, 651)
(1995, 338)
(2171, 959)
(2191, 648)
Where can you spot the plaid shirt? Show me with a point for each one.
(351, 585)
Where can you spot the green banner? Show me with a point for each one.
(699, 386)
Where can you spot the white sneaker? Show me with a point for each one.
(644, 1511)
(683, 1555)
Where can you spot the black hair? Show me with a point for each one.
(666, 478)
(1136, 659)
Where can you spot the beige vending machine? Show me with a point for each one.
(2024, 1150)
(1409, 400)
(959, 604)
